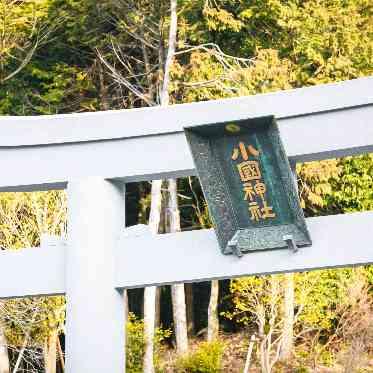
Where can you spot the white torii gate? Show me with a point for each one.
(93, 155)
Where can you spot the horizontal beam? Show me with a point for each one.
(328, 135)
(32, 272)
(115, 124)
(41, 153)
(313, 137)
(338, 241)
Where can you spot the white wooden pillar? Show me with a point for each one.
(95, 312)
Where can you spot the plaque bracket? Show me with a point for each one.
(289, 239)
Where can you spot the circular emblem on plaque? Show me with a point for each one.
(233, 128)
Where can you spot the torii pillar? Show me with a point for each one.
(95, 310)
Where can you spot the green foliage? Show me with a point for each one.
(136, 345)
(289, 43)
(20, 31)
(301, 370)
(314, 185)
(206, 359)
(326, 357)
(320, 294)
(63, 73)
(37, 317)
(25, 216)
(193, 207)
(205, 77)
(324, 41)
(369, 275)
(58, 88)
(353, 189)
(252, 298)
(62, 88)
(321, 299)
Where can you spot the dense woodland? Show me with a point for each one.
(64, 56)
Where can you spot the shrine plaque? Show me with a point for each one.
(248, 184)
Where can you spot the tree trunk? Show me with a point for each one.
(149, 325)
(249, 353)
(61, 355)
(125, 306)
(164, 96)
(158, 307)
(189, 307)
(172, 220)
(150, 292)
(172, 210)
(51, 356)
(21, 353)
(103, 89)
(125, 311)
(4, 357)
(45, 352)
(287, 332)
(179, 311)
(213, 320)
(24, 345)
(156, 204)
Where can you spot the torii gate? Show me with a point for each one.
(93, 155)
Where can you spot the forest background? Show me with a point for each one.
(64, 56)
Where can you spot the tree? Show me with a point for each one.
(286, 351)
(204, 221)
(21, 33)
(212, 314)
(4, 357)
(172, 210)
(29, 322)
(258, 301)
(148, 93)
(352, 190)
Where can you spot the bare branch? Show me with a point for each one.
(120, 79)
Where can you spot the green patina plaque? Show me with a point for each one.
(248, 184)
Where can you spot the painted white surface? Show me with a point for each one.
(338, 241)
(133, 157)
(95, 310)
(329, 135)
(49, 129)
(149, 143)
(318, 136)
(32, 271)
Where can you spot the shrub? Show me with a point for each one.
(135, 344)
(301, 370)
(206, 359)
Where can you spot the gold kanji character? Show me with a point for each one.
(260, 189)
(249, 191)
(244, 152)
(249, 170)
(255, 211)
(253, 151)
(267, 211)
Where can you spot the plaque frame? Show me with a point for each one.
(232, 236)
